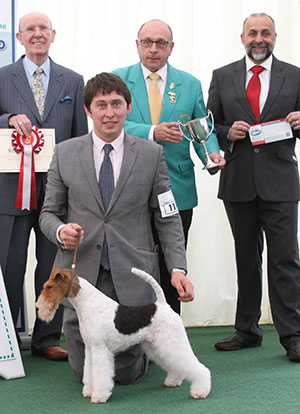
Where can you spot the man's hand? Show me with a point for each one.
(183, 286)
(168, 132)
(217, 159)
(238, 130)
(71, 235)
(21, 123)
(293, 119)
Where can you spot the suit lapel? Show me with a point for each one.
(86, 159)
(139, 92)
(54, 87)
(239, 82)
(276, 82)
(172, 93)
(129, 157)
(21, 83)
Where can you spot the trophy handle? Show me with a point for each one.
(180, 124)
(210, 115)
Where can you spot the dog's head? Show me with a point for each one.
(62, 283)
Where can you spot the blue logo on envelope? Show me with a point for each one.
(255, 132)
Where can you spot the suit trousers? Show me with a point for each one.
(15, 234)
(170, 292)
(130, 365)
(278, 221)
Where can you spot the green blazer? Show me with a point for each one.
(183, 100)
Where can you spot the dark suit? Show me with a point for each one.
(260, 189)
(68, 118)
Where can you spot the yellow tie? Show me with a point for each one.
(154, 98)
(38, 90)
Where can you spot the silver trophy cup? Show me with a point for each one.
(199, 131)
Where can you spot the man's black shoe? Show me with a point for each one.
(293, 351)
(237, 341)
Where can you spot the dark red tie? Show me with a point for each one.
(253, 91)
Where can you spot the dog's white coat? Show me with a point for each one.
(164, 341)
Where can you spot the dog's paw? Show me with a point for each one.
(200, 392)
(86, 391)
(199, 395)
(172, 383)
(99, 399)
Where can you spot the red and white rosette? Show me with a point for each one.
(28, 146)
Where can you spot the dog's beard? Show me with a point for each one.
(46, 310)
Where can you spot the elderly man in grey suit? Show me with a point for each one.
(61, 108)
(114, 232)
(260, 184)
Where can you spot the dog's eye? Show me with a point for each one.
(49, 287)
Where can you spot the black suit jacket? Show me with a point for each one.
(271, 170)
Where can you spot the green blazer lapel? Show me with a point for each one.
(86, 159)
(20, 81)
(129, 157)
(139, 93)
(172, 93)
(276, 82)
(55, 85)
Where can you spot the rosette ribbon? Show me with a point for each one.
(28, 146)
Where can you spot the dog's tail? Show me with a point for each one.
(152, 282)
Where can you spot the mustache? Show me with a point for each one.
(262, 44)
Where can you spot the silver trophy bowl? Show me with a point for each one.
(199, 132)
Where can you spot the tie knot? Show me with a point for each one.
(257, 69)
(38, 71)
(107, 148)
(154, 76)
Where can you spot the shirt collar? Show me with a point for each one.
(162, 72)
(267, 64)
(116, 144)
(31, 66)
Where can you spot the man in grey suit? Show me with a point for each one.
(76, 206)
(62, 110)
(260, 184)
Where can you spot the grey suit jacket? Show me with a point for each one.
(73, 195)
(63, 111)
(271, 170)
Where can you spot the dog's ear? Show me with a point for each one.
(60, 274)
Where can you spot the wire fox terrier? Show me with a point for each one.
(108, 327)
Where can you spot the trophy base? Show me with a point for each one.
(209, 165)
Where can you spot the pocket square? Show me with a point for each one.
(66, 100)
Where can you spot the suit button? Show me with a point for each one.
(98, 247)
(256, 150)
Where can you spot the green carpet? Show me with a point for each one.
(257, 380)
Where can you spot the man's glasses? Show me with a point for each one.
(160, 44)
(30, 30)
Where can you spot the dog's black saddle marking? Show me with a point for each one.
(129, 319)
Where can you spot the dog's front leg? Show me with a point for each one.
(87, 373)
(102, 374)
